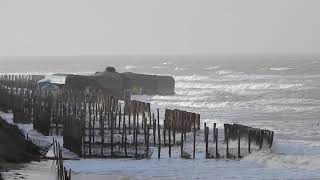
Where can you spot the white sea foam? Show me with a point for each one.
(49, 73)
(237, 87)
(211, 67)
(193, 92)
(166, 63)
(29, 73)
(159, 67)
(286, 161)
(191, 78)
(180, 98)
(204, 104)
(180, 69)
(289, 155)
(280, 68)
(242, 77)
(283, 108)
(128, 67)
(223, 72)
(264, 105)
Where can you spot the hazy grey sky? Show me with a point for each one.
(77, 27)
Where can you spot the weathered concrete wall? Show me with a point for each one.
(165, 85)
(113, 83)
(150, 84)
(109, 84)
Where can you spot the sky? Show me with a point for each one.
(98, 27)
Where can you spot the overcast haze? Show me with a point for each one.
(88, 27)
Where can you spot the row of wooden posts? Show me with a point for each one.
(63, 173)
(235, 132)
(94, 124)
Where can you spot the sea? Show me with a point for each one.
(279, 92)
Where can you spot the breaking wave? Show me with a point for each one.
(191, 78)
(211, 67)
(266, 106)
(159, 67)
(192, 104)
(280, 68)
(223, 72)
(194, 92)
(49, 73)
(237, 87)
(180, 69)
(289, 155)
(128, 67)
(180, 98)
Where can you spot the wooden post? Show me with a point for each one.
(261, 140)
(138, 116)
(249, 141)
(136, 140)
(119, 124)
(205, 129)
(123, 123)
(154, 130)
(173, 127)
(145, 128)
(125, 141)
(149, 112)
(148, 131)
(214, 132)
(134, 121)
(207, 140)
(108, 116)
(111, 136)
(174, 136)
(217, 153)
(129, 123)
(159, 137)
(90, 129)
(227, 142)
(181, 144)
(271, 141)
(194, 136)
(102, 132)
(93, 128)
(239, 153)
(169, 142)
(185, 128)
(164, 132)
(115, 116)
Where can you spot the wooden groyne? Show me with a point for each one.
(95, 125)
(238, 141)
(63, 173)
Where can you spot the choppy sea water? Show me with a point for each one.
(280, 93)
